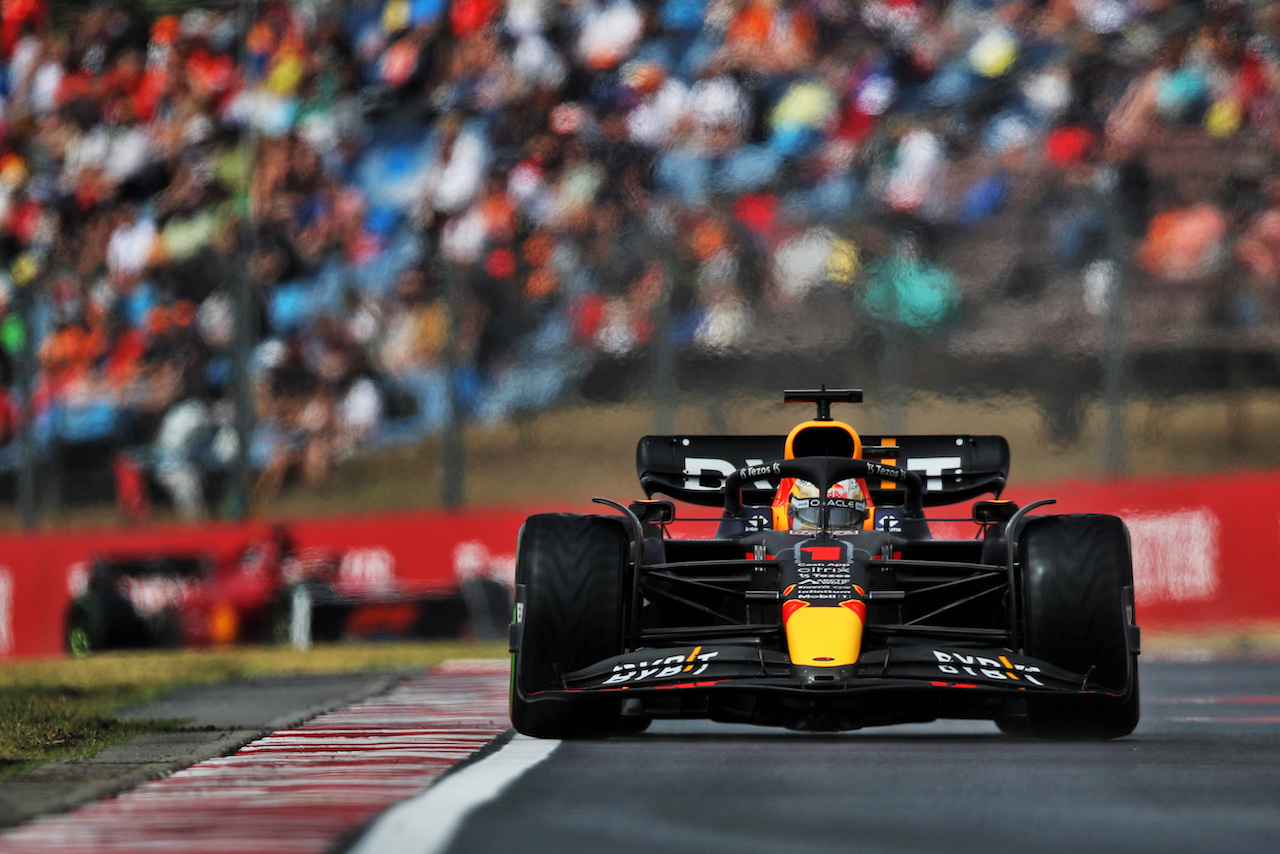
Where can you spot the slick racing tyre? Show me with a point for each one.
(1077, 581)
(570, 577)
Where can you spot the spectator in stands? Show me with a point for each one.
(1258, 249)
(180, 454)
(412, 351)
(1186, 242)
(359, 416)
(10, 417)
(568, 165)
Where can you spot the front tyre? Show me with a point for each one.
(1077, 580)
(570, 574)
(79, 640)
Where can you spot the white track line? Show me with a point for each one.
(427, 823)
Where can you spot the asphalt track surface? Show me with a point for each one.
(1201, 774)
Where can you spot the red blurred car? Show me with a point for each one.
(196, 599)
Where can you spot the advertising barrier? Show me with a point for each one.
(1206, 552)
(412, 554)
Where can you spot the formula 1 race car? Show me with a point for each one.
(823, 601)
(266, 589)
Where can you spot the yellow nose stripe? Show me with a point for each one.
(822, 636)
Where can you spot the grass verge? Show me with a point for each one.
(61, 708)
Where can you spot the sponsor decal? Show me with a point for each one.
(1176, 554)
(694, 663)
(832, 584)
(760, 471)
(843, 503)
(875, 470)
(934, 469)
(154, 596)
(78, 579)
(367, 570)
(823, 573)
(473, 559)
(980, 666)
(695, 466)
(891, 522)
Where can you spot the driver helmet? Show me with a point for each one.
(805, 514)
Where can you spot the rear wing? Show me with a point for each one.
(693, 468)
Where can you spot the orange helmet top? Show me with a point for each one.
(821, 438)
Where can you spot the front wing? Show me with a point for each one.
(731, 667)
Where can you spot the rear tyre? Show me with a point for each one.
(570, 569)
(1077, 577)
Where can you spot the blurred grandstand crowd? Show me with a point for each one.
(543, 183)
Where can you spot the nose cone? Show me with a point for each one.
(827, 635)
